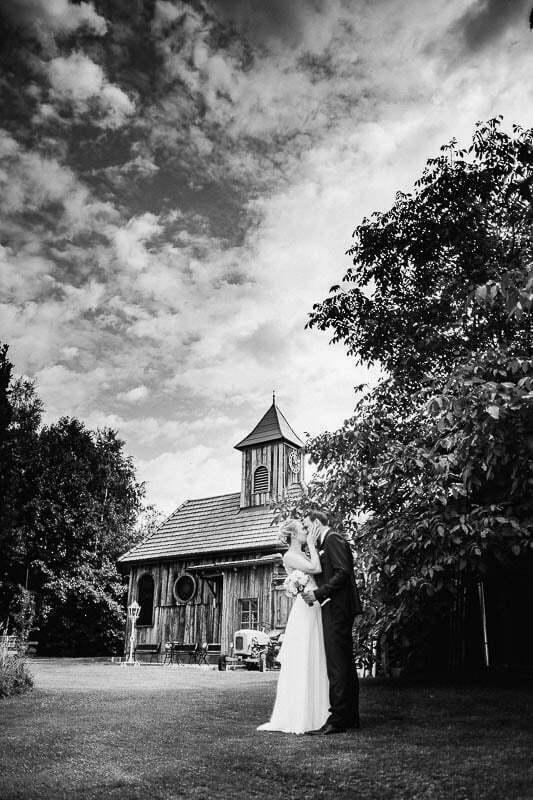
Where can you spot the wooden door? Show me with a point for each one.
(281, 605)
(218, 598)
(213, 612)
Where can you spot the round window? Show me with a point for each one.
(184, 588)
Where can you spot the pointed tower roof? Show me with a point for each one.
(271, 427)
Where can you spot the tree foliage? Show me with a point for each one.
(447, 271)
(70, 508)
(438, 458)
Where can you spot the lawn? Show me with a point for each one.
(94, 730)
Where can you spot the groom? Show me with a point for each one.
(337, 593)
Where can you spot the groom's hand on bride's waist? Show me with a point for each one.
(309, 597)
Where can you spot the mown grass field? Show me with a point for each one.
(94, 730)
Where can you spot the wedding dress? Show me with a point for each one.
(302, 697)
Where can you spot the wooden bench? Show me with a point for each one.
(148, 649)
(176, 652)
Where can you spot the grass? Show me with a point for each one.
(94, 730)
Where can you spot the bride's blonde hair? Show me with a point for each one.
(287, 530)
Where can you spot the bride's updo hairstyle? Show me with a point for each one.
(287, 530)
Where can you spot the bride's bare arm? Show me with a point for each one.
(297, 561)
(315, 558)
(309, 565)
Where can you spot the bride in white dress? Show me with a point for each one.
(302, 697)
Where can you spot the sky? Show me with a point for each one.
(180, 182)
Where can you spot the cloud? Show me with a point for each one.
(66, 391)
(486, 21)
(31, 183)
(157, 273)
(130, 241)
(200, 471)
(24, 275)
(44, 17)
(77, 80)
(134, 395)
(300, 24)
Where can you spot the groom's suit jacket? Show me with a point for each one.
(337, 579)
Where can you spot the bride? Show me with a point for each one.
(302, 697)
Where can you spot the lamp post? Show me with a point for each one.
(133, 614)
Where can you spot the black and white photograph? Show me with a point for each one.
(266, 399)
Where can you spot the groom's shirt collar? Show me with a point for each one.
(323, 536)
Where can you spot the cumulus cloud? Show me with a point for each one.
(45, 17)
(32, 183)
(134, 395)
(24, 275)
(130, 240)
(77, 80)
(157, 278)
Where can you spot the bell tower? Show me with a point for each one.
(272, 460)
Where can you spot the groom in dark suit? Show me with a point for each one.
(337, 594)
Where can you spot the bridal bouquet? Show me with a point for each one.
(295, 583)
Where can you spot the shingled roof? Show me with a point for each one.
(208, 525)
(271, 427)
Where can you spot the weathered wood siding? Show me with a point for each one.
(245, 584)
(209, 617)
(267, 455)
(195, 621)
(275, 457)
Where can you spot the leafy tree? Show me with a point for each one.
(438, 458)
(5, 378)
(447, 270)
(20, 464)
(87, 512)
(5, 418)
(71, 507)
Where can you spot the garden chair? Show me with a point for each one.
(202, 654)
(193, 655)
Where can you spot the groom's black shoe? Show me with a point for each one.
(326, 730)
(333, 729)
(318, 731)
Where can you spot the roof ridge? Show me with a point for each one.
(210, 497)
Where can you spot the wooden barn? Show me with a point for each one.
(214, 565)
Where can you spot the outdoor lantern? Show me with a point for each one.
(133, 614)
(134, 610)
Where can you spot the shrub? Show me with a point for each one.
(14, 675)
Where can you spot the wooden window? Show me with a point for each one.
(261, 482)
(184, 588)
(145, 598)
(248, 613)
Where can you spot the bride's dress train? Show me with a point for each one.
(302, 698)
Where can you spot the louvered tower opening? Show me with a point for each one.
(261, 479)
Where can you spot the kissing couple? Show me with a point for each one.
(318, 687)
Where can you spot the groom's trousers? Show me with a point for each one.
(342, 674)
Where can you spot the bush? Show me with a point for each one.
(14, 675)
